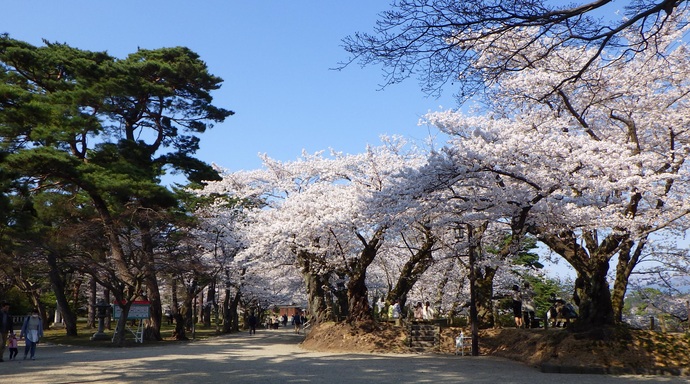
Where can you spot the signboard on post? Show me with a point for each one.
(138, 310)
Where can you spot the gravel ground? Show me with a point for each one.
(275, 356)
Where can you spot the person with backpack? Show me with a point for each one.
(32, 331)
(297, 321)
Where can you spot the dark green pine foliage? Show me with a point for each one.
(80, 122)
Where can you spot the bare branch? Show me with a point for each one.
(440, 41)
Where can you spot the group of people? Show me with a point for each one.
(273, 322)
(423, 312)
(31, 332)
(298, 321)
(523, 306)
(419, 312)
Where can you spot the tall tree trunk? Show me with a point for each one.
(174, 306)
(358, 300)
(153, 330)
(184, 319)
(121, 326)
(233, 312)
(627, 260)
(231, 303)
(210, 300)
(189, 306)
(316, 285)
(128, 284)
(57, 282)
(93, 292)
(179, 333)
(108, 323)
(413, 269)
(357, 293)
(484, 289)
(595, 301)
(76, 289)
(340, 306)
(440, 287)
(227, 315)
(592, 293)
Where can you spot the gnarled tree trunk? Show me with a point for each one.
(628, 256)
(592, 292)
(319, 301)
(357, 293)
(484, 288)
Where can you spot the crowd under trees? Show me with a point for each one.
(575, 138)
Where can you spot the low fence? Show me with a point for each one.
(18, 320)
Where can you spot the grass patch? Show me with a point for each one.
(84, 333)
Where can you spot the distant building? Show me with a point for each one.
(289, 310)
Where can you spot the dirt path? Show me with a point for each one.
(274, 357)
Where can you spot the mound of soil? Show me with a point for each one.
(361, 338)
(612, 350)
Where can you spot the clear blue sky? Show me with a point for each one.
(274, 57)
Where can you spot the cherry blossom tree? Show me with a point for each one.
(443, 275)
(313, 215)
(593, 168)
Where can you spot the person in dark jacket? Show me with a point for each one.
(5, 327)
(517, 306)
(252, 321)
(297, 321)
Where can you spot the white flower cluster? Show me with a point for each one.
(604, 155)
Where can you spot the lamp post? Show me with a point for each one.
(471, 250)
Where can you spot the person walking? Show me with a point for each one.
(13, 344)
(252, 321)
(297, 321)
(169, 316)
(527, 306)
(5, 327)
(32, 331)
(394, 312)
(517, 306)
